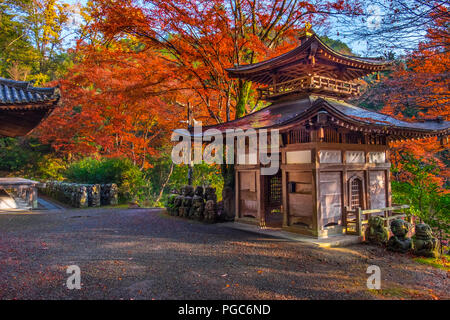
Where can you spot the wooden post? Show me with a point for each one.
(284, 194)
(34, 198)
(262, 202)
(317, 213)
(344, 218)
(359, 222)
(237, 195)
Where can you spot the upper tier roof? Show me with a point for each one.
(23, 107)
(312, 56)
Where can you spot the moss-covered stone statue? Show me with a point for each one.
(93, 191)
(198, 204)
(210, 211)
(210, 194)
(188, 193)
(399, 242)
(229, 203)
(376, 232)
(177, 204)
(424, 243)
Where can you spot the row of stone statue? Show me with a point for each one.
(199, 204)
(422, 243)
(82, 195)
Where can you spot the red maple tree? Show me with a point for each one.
(420, 90)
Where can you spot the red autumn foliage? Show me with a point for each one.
(115, 103)
(422, 90)
(140, 62)
(203, 38)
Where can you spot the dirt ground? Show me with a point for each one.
(144, 254)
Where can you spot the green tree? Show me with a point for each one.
(32, 36)
(415, 184)
(123, 172)
(16, 50)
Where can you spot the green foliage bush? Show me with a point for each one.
(14, 154)
(428, 200)
(27, 157)
(203, 175)
(123, 172)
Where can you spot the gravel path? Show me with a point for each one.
(143, 254)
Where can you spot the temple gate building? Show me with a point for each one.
(334, 155)
(22, 108)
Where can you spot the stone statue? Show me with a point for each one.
(399, 242)
(109, 194)
(198, 204)
(93, 191)
(424, 243)
(210, 194)
(210, 211)
(229, 204)
(177, 204)
(187, 194)
(376, 232)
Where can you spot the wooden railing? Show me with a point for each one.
(356, 219)
(313, 83)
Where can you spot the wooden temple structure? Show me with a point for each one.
(334, 155)
(22, 108)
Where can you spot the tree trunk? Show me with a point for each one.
(243, 99)
(165, 183)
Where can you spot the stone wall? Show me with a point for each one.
(81, 195)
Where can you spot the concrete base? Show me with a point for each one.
(330, 242)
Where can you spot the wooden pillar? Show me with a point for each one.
(317, 213)
(285, 195)
(262, 198)
(275, 82)
(344, 185)
(388, 182)
(258, 195)
(367, 183)
(237, 214)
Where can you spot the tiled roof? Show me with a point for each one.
(281, 114)
(23, 107)
(305, 47)
(23, 93)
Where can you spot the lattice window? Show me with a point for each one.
(355, 193)
(275, 190)
(331, 135)
(299, 136)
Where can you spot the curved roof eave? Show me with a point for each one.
(260, 66)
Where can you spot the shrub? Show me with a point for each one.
(428, 200)
(123, 172)
(50, 167)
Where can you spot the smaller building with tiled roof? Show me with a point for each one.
(23, 106)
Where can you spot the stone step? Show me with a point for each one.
(330, 242)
